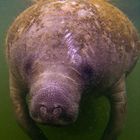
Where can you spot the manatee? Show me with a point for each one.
(59, 49)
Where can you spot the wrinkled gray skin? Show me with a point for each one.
(57, 50)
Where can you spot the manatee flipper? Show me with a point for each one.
(21, 111)
(117, 99)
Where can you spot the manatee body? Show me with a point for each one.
(57, 50)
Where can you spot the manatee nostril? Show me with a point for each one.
(57, 111)
(43, 111)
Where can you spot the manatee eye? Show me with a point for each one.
(87, 72)
(28, 65)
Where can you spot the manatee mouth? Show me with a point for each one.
(53, 109)
(55, 116)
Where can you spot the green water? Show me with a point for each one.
(91, 123)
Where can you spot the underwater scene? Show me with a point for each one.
(94, 114)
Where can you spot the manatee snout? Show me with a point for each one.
(53, 106)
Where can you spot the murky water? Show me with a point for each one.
(92, 122)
